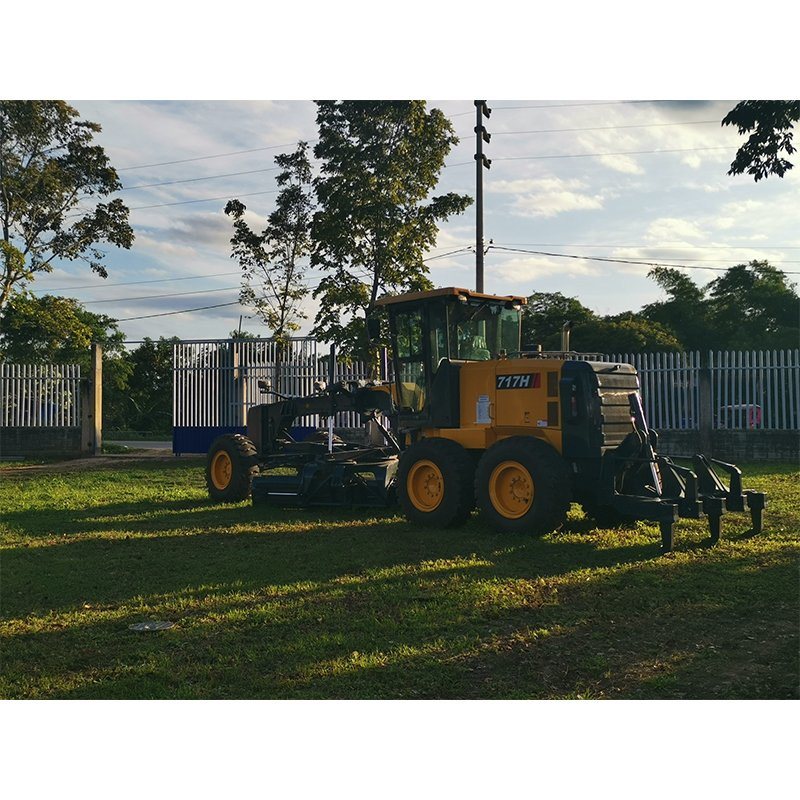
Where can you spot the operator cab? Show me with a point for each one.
(433, 334)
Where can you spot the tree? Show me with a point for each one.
(380, 161)
(544, 316)
(753, 306)
(624, 333)
(685, 312)
(237, 334)
(271, 261)
(50, 167)
(771, 123)
(54, 330)
(750, 306)
(148, 401)
(58, 330)
(546, 312)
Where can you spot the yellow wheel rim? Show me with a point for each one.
(221, 469)
(425, 485)
(511, 489)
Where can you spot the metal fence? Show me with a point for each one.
(40, 395)
(756, 389)
(669, 385)
(748, 390)
(216, 382)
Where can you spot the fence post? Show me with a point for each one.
(705, 412)
(92, 405)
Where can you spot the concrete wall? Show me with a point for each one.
(32, 442)
(733, 446)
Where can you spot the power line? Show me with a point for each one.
(133, 283)
(178, 294)
(617, 260)
(498, 133)
(561, 105)
(588, 155)
(186, 278)
(203, 158)
(203, 200)
(626, 153)
(157, 296)
(696, 246)
(600, 128)
(203, 178)
(184, 311)
(452, 252)
(188, 310)
(220, 305)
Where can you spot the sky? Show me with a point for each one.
(570, 178)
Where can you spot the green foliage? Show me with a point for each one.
(147, 401)
(271, 261)
(380, 161)
(685, 312)
(753, 306)
(546, 312)
(771, 123)
(59, 330)
(624, 333)
(750, 306)
(50, 167)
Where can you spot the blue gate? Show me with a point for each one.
(215, 383)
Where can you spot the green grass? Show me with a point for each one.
(325, 604)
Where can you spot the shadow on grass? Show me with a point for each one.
(349, 606)
(463, 632)
(311, 603)
(252, 548)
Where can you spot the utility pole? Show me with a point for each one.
(481, 136)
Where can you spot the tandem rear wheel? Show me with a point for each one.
(522, 485)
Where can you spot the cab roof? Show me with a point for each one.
(452, 291)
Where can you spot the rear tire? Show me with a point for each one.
(434, 483)
(230, 468)
(523, 485)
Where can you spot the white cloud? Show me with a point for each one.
(737, 209)
(692, 160)
(547, 197)
(525, 270)
(673, 228)
(620, 163)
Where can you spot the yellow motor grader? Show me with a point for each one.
(477, 421)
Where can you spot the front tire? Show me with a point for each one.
(230, 468)
(434, 483)
(522, 485)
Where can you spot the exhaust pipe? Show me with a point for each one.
(565, 329)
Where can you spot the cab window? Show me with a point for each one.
(411, 380)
